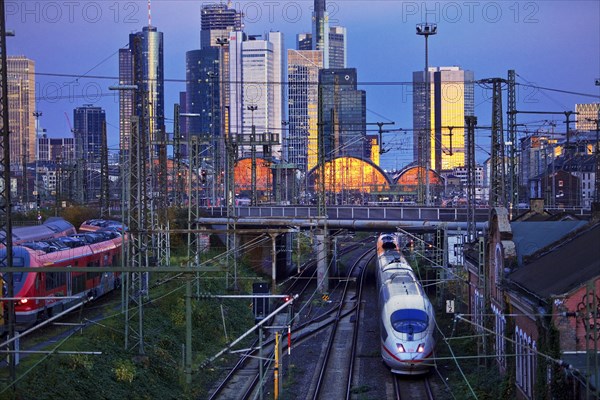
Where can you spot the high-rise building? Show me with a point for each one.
(258, 100)
(217, 21)
(141, 64)
(58, 150)
(202, 91)
(21, 106)
(451, 98)
(336, 47)
(304, 41)
(587, 116)
(88, 123)
(303, 102)
(320, 30)
(343, 114)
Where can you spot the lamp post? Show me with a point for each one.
(253, 108)
(426, 29)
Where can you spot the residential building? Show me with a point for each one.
(538, 307)
(587, 116)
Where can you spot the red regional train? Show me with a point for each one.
(41, 295)
(52, 228)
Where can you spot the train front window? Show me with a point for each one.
(409, 321)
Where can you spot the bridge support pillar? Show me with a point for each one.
(322, 261)
(273, 263)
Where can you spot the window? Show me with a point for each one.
(409, 321)
(500, 330)
(55, 279)
(525, 361)
(499, 263)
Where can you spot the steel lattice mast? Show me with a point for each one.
(497, 181)
(513, 188)
(470, 122)
(5, 200)
(137, 222)
(104, 190)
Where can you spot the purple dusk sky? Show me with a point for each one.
(551, 44)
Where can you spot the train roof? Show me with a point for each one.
(72, 241)
(48, 229)
(402, 283)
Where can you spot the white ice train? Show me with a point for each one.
(407, 319)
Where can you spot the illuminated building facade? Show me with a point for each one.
(587, 115)
(343, 114)
(141, 64)
(303, 102)
(256, 65)
(452, 97)
(21, 106)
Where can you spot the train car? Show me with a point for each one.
(41, 295)
(407, 318)
(92, 225)
(53, 227)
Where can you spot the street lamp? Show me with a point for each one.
(253, 108)
(426, 29)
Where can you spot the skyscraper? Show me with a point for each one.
(87, 131)
(202, 91)
(452, 97)
(216, 21)
(337, 47)
(260, 62)
(141, 64)
(320, 30)
(21, 103)
(303, 103)
(343, 114)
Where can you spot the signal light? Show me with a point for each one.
(400, 348)
(24, 301)
(421, 348)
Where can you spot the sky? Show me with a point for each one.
(551, 44)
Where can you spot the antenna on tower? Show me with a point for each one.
(149, 14)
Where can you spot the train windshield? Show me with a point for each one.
(409, 321)
(18, 277)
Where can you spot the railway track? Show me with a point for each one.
(243, 380)
(337, 363)
(406, 388)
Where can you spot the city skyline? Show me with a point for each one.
(488, 38)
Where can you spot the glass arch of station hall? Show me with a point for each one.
(406, 184)
(348, 180)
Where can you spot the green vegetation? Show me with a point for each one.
(124, 374)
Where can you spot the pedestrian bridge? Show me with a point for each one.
(346, 217)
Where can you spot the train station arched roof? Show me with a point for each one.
(410, 177)
(350, 174)
(243, 175)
